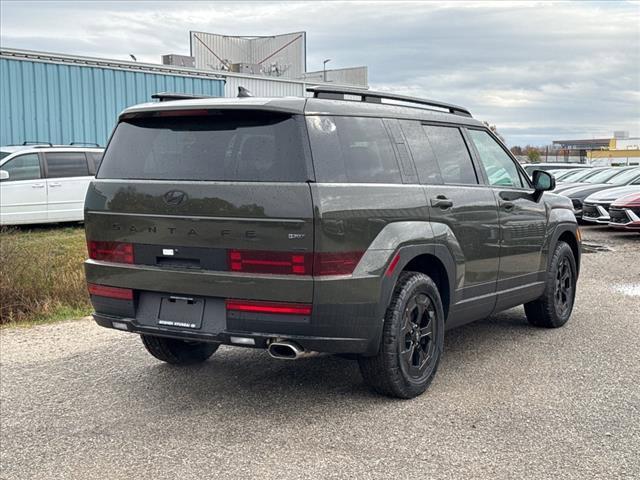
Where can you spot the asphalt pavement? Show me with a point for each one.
(509, 401)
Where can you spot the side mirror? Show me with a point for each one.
(542, 182)
(4, 175)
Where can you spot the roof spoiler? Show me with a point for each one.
(170, 96)
(368, 96)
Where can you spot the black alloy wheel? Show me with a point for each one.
(412, 339)
(418, 332)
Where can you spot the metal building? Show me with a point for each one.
(356, 76)
(61, 99)
(282, 55)
(58, 98)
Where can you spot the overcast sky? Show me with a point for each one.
(539, 71)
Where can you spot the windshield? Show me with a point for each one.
(4, 154)
(567, 173)
(579, 175)
(602, 176)
(624, 177)
(238, 145)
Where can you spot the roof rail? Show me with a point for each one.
(36, 143)
(79, 144)
(169, 96)
(340, 93)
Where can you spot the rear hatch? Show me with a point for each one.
(204, 202)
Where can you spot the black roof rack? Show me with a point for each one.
(339, 93)
(79, 144)
(35, 143)
(169, 96)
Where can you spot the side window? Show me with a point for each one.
(94, 159)
(423, 155)
(452, 155)
(23, 167)
(499, 167)
(352, 150)
(66, 164)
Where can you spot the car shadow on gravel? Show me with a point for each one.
(246, 377)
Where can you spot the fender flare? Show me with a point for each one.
(560, 229)
(407, 253)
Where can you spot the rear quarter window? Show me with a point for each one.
(239, 145)
(423, 154)
(352, 150)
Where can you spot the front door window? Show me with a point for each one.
(499, 167)
(23, 167)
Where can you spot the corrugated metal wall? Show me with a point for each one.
(261, 87)
(356, 76)
(287, 50)
(61, 103)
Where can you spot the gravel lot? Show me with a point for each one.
(509, 401)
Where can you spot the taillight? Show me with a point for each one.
(110, 292)
(293, 263)
(279, 263)
(342, 263)
(268, 307)
(111, 251)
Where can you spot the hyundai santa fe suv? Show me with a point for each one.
(353, 222)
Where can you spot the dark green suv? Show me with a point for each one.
(353, 222)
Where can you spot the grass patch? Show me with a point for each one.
(41, 274)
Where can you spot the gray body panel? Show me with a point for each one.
(492, 257)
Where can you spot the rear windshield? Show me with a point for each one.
(231, 146)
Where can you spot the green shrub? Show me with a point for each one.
(41, 274)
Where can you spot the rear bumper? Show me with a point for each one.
(347, 314)
(260, 340)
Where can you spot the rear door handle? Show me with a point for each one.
(38, 185)
(508, 206)
(442, 202)
(55, 184)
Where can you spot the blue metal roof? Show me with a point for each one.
(62, 103)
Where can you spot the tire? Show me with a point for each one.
(415, 310)
(553, 308)
(178, 352)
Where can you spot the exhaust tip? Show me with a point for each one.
(284, 350)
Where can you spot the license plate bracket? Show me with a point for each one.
(181, 312)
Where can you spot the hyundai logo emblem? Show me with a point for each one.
(174, 197)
